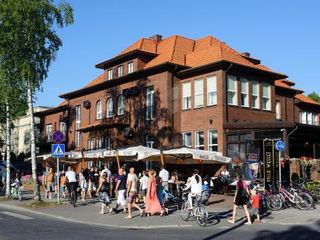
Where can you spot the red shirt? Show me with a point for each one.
(255, 201)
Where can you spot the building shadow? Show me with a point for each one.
(299, 232)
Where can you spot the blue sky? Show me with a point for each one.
(285, 35)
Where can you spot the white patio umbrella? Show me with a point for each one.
(186, 155)
(140, 153)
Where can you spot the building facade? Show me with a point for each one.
(166, 93)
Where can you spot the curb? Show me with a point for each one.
(11, 207)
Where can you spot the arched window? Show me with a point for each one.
(99, 110)
(109, 107)
(120, 105)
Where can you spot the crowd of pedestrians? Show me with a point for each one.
(124, 190)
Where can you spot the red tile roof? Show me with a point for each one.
(186, 52)
(285, 83)
(306, 99)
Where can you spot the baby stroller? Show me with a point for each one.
(171, 201)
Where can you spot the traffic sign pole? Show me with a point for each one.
(280, 146)
(58, 180)
(280, 166)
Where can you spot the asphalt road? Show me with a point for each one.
(17, 225)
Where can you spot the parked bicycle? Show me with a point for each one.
(198, 211)
(292, 196)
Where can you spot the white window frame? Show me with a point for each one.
(120, 71)
(110, 74)
(91, 144)
(150, 103)
(99, 109)
(278, 110)
(63, 128)
(78, 122)
(244, 92)
(107, 143)
(303, 117)
(232, 93)
(315, 119)
(149, 141)
(255, 96)
(198, 93)
(211, 90)
(210, 144)
(120, 105)
(130, 67)
(309, 118)
(109, 107)
(49, 132)
(98, 143)
(197, 140)
(184, 135)
(186, 95)
(266, 99)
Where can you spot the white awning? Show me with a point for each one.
(186, 155)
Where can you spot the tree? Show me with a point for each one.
(314, 96)
(27, 31)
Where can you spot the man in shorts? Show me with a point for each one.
(132, 192)
(120, 191)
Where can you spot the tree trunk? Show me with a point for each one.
(36, 192)
(8, 142)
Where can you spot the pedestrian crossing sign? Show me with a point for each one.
(57, 150)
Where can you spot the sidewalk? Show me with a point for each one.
(219, 207)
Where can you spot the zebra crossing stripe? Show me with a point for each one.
(16, 215)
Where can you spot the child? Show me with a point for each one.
(255, 201)
(63, 184)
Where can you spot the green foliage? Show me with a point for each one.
(314, 96)
(28, 42)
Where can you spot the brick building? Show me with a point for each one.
(179, 91)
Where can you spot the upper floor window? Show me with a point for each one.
(99, 110)
(187, 139)
(244, 93)
(120, 105)
(120, 71)
(211, 90)
(109, 107)
(91, 144)
(266, 96)
(106, 143)
(110, 74)
(130, 67)
(198, 93)
(150, 104)
(63, 128)
(278, 110)
(78, 122)
(213, 140)
(48, 132)
(199, 140)
(150, 141)
(99, 143)
(309, 118)
(186, 95)
(232, 90)
(26, 137)
(303, 117)
(315, 120)
(255, 91)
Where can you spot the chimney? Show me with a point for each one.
(246, 54)
(157, 38)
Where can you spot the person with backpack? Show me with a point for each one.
(241, 198)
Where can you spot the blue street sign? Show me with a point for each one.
(57, 150)
(280, 146)
(57, 137)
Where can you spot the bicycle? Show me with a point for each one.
(300, 199)
(199, 211)
(72, 194)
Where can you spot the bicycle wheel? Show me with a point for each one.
(185, 212)
(202, 215)
(274, 202)
(304, 201)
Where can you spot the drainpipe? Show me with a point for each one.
(225, 109)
